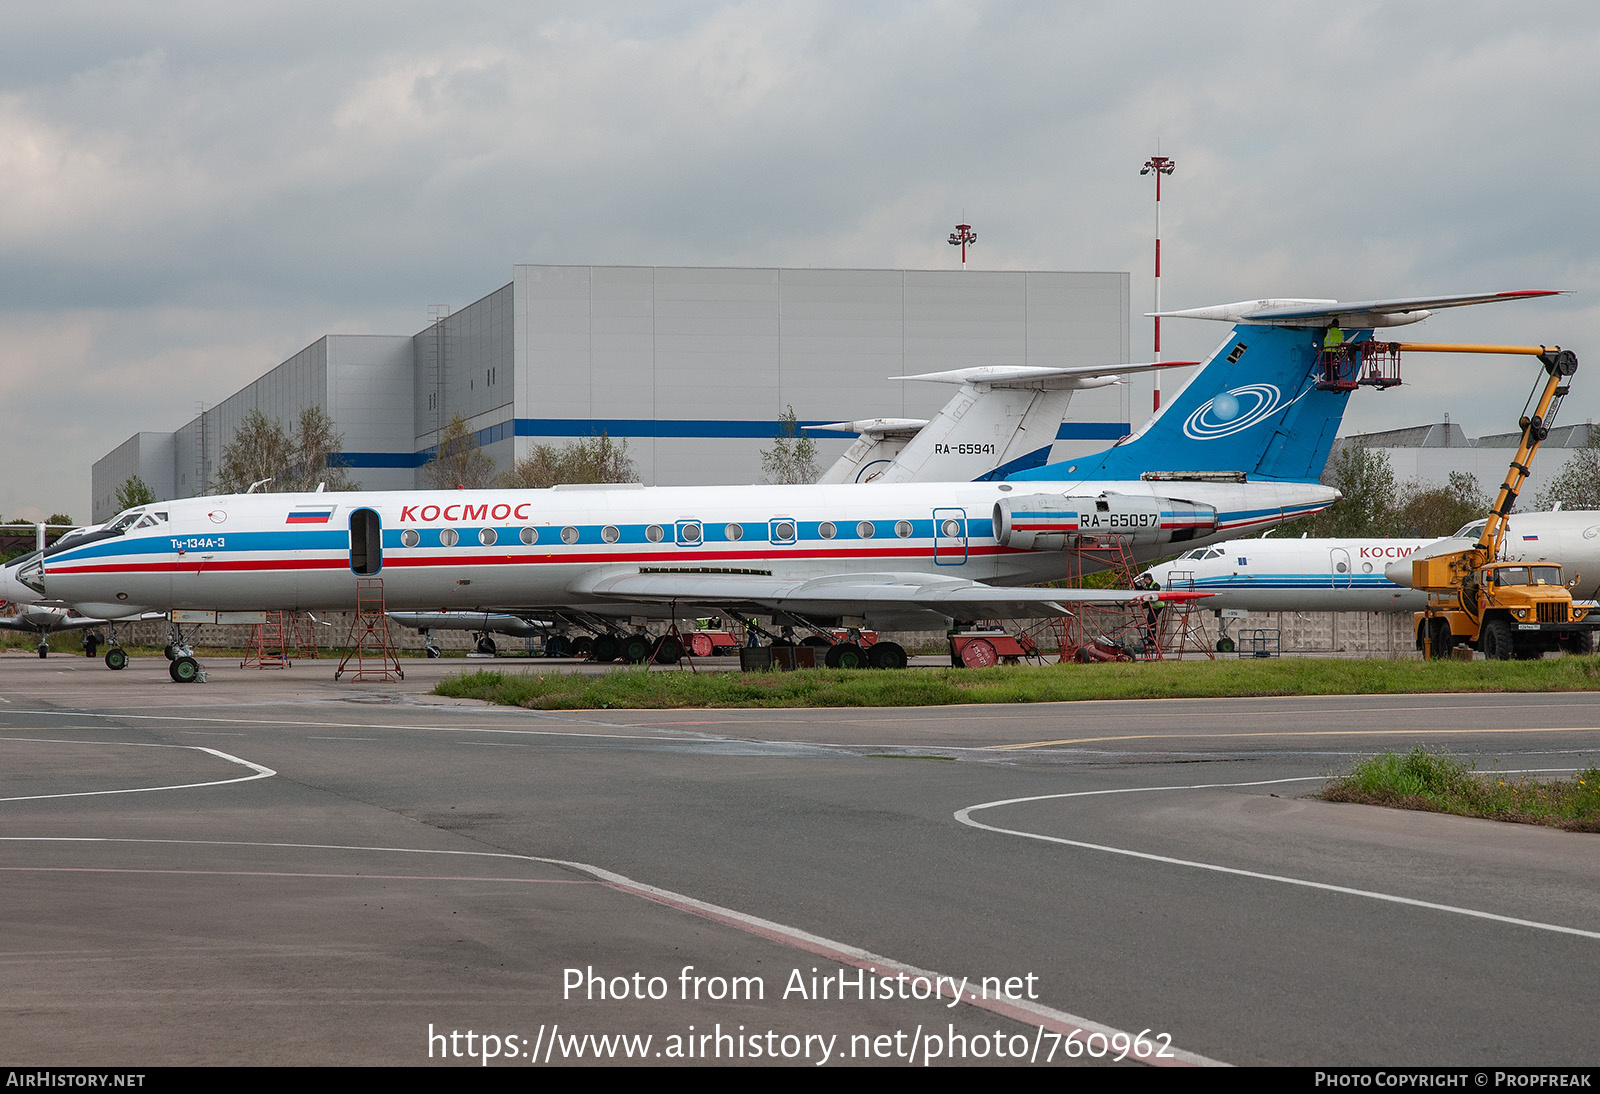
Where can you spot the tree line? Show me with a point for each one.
(1375, 503)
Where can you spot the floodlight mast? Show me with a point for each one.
(1158, 165)
(961, 237)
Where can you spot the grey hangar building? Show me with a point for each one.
(692, 366)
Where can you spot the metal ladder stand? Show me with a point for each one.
(369, 641)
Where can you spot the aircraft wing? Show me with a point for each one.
(857, 594)
(36, 623)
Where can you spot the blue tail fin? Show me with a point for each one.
(1253, 406)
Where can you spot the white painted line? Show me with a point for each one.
(1029, 1013)
(965, 817)
(260, 771)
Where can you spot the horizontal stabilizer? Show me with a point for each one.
(1349, 313)
(903, 428)
(1038, 377)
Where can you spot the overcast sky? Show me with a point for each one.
(190, 192)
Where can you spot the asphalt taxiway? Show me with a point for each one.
(278, 867)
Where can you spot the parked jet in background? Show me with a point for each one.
(1570, 538)
(1293, 575)
(43, 621)
(1368, 575)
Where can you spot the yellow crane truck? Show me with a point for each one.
(1506, 609)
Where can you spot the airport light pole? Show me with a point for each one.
(961, 237)
(1158, 165)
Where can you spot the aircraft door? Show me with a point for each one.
(949, 537)
(366, 543)
(1340, 573)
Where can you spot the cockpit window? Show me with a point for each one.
(1471, 531)
(124, 522)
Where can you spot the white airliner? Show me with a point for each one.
(1002, 419)
(1368, 575)
(1239, 448)
(1293, 575)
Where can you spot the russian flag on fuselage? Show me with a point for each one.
(309, 514)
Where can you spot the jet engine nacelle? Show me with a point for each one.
(1051, 522)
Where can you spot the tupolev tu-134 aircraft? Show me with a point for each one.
(1239, 448)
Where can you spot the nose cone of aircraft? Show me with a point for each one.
(13, 591)
(1399, 571)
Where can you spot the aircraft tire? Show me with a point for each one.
(636, 648)
(116, 658)
(486, 645)
(582, 646)
(433, 651)
(1497, 640)
(1225, 645)
(845, 655)
(184, 670)
(606, 648)
(668, 650)
(43, 649)
(171, 651)
(886, 655)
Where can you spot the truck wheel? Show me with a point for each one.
(1579, 642)
(1497, 640)
(1440, 639)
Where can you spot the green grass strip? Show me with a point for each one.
(1437, 783)
(634, 688)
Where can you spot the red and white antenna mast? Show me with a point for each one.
(961, 237)
(1159, 165)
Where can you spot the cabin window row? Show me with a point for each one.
(685, 533)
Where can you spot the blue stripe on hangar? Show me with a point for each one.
(685, 428)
